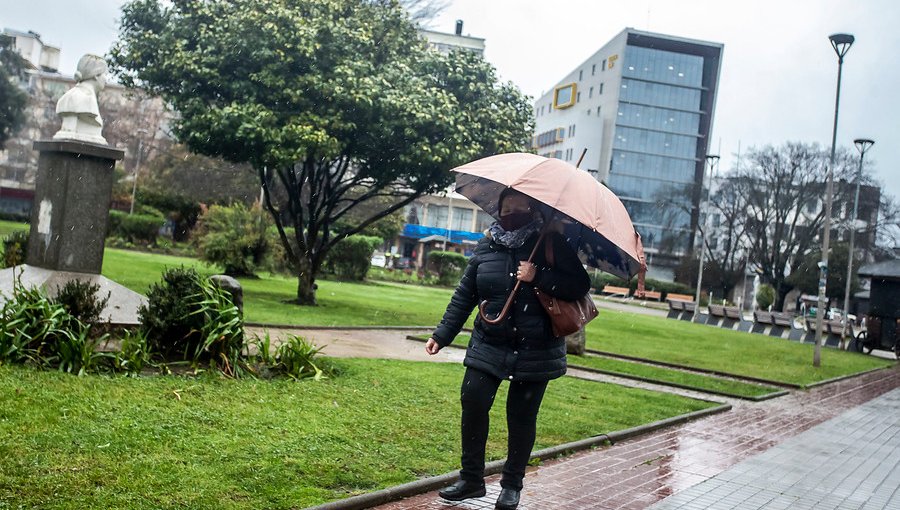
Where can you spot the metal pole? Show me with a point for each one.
(841, 44)
(712, 161)
(449, 219)
(862, 145)
(137, 168)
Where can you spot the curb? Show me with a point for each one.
(760, 398)
(779, 384)
(429, 484)
(332, 328)
(844, 377)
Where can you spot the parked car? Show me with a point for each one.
(378, 259)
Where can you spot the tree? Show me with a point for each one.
(201, 178)
(12, 99)
(806, 277)
(780, 196)
(333, 102)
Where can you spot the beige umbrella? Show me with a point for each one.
(593, 219)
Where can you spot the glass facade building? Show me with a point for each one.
(643, 107)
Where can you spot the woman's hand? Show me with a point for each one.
(526, 272)
(432, 347)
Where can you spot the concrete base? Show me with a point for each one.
(122, 308)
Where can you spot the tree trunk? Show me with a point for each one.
(306, 283)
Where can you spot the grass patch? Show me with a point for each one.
(99, 442)
(711, 348)
(8, 227)
(667, 375)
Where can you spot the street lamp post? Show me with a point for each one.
(712, 160)
(862, 144)
(841, 44)
(137, 168)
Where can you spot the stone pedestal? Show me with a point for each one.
(68, 226)
(72, 193)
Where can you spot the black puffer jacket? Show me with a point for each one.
(522, 347)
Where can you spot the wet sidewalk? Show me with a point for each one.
(682, 461)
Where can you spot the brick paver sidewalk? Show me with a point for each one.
(640, 472)
(852, 461)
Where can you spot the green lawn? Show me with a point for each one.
(707, 347)
(165, 442)
(8, 227)
(668, 375)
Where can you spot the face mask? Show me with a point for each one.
(515, 221)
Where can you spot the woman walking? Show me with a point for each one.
(521, 349)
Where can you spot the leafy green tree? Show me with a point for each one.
(765, 296)
(333, 102)
(12, 99)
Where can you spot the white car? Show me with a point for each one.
(378, 260)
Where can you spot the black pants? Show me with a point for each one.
(522, 405)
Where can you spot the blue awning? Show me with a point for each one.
(456, 236)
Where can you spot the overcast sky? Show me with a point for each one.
(778, 72)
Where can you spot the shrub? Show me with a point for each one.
(297, 358)
(81, 301)
(351, 258)
(765, 296)
(448, 265)
(75, 350)
(188, 316)
(15, 246)
(30, 326)
(166, 320)
(134, 353)
(234, 237)
(136, 228)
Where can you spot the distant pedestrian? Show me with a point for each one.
(520, 349)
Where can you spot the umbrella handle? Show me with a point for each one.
(509, 300)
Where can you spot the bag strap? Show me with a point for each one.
(512, 294)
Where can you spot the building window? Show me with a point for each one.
(564, 96)
(591, 92)
(593, 69)
(598, 111)
(578, 97)
(573, 131)
(601, 89)
(603, 65)
(580, 74)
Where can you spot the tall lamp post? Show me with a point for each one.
(862, 144)
(841, 44)
(711, 159)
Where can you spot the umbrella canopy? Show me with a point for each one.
(593, 219)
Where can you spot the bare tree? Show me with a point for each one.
(423, 12)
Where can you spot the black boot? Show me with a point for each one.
(508, 500)
(463, 489)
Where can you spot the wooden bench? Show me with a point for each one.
(831, 332)
(649, 294)
(616, 291)
(689, 309)
(679, 297)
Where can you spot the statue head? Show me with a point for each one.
(91, 67)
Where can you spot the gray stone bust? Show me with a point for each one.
(78, 107)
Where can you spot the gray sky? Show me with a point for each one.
(778, 73)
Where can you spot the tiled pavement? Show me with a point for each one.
(694, 459)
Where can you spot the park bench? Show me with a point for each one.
(689, 309)
(783, 325)
(732, 318)
(762, 322)
(615, 291)
(676, 308)
(679, 297)
(649, 294)
(831, 332)
(716, 315)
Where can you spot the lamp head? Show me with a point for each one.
(863, 144)
(841, 44)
